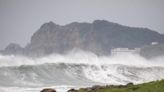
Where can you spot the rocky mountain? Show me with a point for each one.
(98, 37)
(152, 51)
(13, 48)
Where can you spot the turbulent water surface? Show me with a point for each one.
(62, 72)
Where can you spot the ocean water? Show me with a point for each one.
(75, 70)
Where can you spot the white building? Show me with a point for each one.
(154, 43)
(118, 51)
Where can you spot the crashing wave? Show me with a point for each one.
(78, 69)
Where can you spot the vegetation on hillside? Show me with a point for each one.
(155, 86)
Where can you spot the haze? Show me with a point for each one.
(19, 19)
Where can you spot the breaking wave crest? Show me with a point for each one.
(80, 68)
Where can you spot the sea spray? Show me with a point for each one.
(81, 58)
(77, 69)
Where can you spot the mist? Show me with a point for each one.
(82, 57)
(75, 70)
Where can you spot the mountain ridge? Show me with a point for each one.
(98, 37)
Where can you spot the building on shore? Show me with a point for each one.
(119, 51)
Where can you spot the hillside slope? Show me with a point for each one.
(155, 86)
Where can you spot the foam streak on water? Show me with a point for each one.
(23, 74)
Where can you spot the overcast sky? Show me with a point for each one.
(19, 19)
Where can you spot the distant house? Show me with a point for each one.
(118, 51)
(154, 43)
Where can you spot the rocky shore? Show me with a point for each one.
(154, 86)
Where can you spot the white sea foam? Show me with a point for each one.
(81, 58)
(24, 74)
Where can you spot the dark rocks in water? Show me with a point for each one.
(48, 90)
(130, 84)
(93, 89)
(72, 90)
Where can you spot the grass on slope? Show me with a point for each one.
(155, 86)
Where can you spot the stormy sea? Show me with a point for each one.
(75, 70)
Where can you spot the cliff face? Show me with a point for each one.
(152, 51)
(98, 37)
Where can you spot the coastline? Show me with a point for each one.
(153, 86)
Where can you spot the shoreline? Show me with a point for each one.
(153, 86)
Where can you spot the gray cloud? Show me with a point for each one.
(21, 18)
